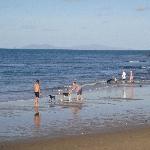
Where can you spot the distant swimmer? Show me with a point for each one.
(123, 75)
(131, 77)
(37, 91)
(78, 89)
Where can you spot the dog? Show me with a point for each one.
(110, 81)
(66, 94)
(51, 98)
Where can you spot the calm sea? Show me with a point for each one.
(58, 68)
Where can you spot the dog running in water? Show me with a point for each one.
(66, 94)
(110, 81)
(51, 98)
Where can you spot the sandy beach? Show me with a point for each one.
(117, 119)
(137, 139)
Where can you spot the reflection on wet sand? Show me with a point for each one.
(102, 109)
(37, 117)
(124, 95)
(131, 91)
(76, 110)
(128, 92)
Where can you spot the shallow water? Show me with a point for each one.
(56, 68)
(104, 109)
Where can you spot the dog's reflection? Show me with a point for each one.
(76, 110)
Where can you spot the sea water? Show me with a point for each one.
(58, 68)
(104, 108)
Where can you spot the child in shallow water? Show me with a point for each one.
(131, 77)
(123, 75)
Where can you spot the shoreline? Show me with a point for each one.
(105, 111)
(134, 139)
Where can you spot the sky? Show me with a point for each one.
(65, 23)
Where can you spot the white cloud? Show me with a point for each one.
(142, 8)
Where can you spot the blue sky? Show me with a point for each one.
(116, 23)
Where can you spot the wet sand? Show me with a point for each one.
(137, 139)
(110, 118)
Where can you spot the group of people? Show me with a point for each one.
(123, 78)
(131, 77)
(37, 91)
(76, 87)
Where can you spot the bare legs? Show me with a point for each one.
(36, 102)
(79, 97)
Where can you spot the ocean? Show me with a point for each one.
(104, 108)
(19, 68)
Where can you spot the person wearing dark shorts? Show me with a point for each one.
(37, 93)
(79, 91)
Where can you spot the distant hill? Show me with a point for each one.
(79, 47)
(96, 47)
(39, 46)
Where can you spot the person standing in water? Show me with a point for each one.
(123, 75)
(131, 77)
(37, 91)
(78, 89)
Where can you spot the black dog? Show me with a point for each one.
(110, 81)
(66, 94)
(51, 98)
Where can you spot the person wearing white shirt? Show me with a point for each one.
(123, 75)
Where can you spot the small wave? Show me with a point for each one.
(17, 91)
(136, 61)
(143, 67)
(131, 67)
(12, 65)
